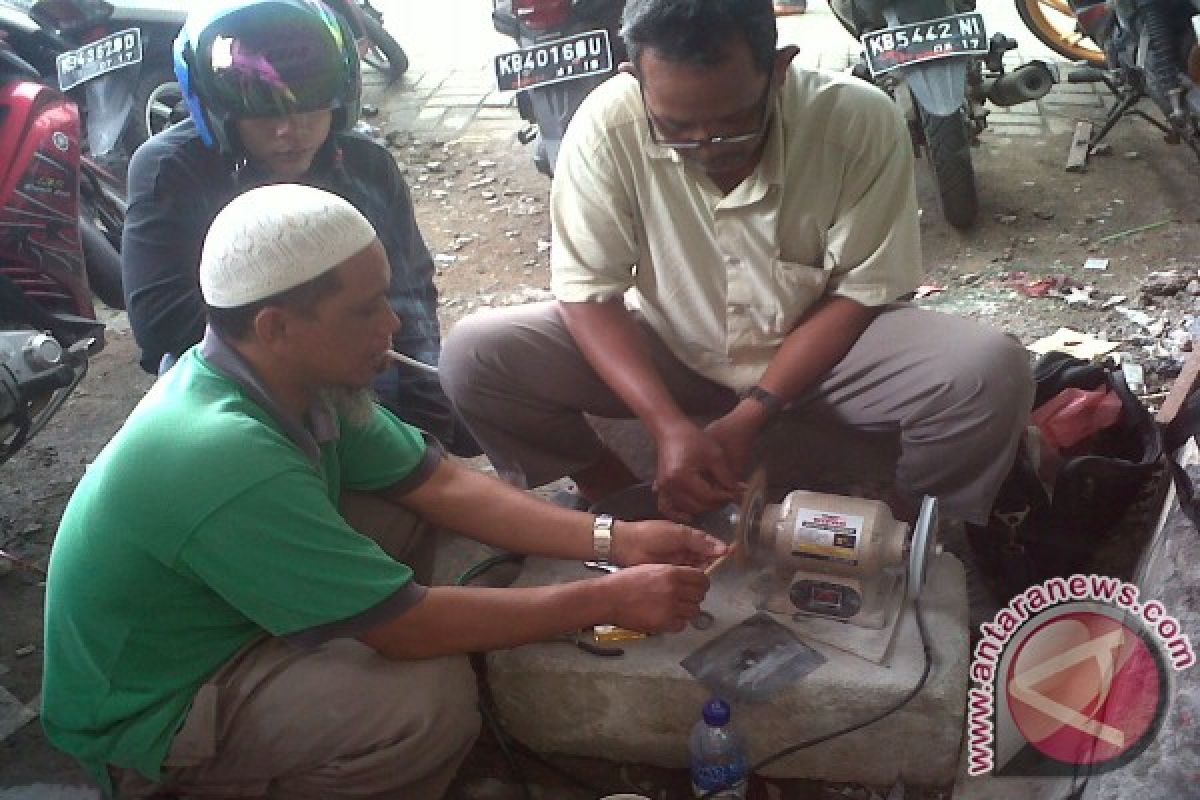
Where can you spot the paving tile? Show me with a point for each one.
(1056, 99)
(1016, 130)
(497, 113)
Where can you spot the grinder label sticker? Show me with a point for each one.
(826, 535)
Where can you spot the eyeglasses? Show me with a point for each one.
(694, 144)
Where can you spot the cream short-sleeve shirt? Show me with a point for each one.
(723, 278)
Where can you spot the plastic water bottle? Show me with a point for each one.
(717, 753)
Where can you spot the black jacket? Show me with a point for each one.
(176, 187)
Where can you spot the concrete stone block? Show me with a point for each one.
(639, 707)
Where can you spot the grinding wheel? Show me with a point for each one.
(749, 515)
(922, 547)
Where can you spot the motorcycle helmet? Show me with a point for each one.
(265, 58)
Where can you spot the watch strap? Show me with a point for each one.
(602, 530)
(770, 402)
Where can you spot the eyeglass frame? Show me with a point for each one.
(696, 144)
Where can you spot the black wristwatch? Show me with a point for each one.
(770, 403)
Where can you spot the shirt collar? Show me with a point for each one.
(318, 426)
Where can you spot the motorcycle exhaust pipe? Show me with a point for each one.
(1025, 83)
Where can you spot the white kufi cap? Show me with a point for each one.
(275, 238)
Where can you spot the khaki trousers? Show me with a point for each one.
(957, 392)
(338, 721)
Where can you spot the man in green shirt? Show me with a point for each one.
(215, 625)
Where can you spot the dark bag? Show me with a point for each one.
(1036, 533)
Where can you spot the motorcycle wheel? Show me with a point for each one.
(948, 147)
(1053, 23)
(103, 264)
(386, 54)
(158, 94)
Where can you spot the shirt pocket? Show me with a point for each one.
(799, 287)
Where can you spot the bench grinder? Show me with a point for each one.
(843, 558)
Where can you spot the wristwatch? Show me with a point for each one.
(772, 404)
(602, 530)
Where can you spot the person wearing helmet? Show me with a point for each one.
(274, 91)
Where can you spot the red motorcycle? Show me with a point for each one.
(48, 326)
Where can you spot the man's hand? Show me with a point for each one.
(655, 598)
(736, 432)
(693, 475)
(660, 542)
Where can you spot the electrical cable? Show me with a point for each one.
(487, 704)
(795, 748)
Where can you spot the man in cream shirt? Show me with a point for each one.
(732, 239)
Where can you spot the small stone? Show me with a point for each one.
(1132, 155)
(479, 184)
(1193, 288)
(488, 194)
(485, 164)
(444, 258)
(1006, 219)
(439, 194)
(512, 234)
(435, 166)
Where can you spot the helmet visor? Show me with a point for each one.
(275, 63)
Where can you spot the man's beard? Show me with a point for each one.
(356, 406)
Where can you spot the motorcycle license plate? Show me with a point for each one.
(891, 48)
(114, 51)
(565, 59)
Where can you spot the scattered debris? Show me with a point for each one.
(1113, 301)
(1165, 283)
(928, 290)
(1154, 327)
(444, 258)
(1140, 229)
(14, 714)
(1080, 345)
(1096, 264)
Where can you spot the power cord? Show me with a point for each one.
(795, 748)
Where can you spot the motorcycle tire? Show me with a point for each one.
(1052, 22)
(154, 105)
(948, 147)
(103, 264)
(386, 54)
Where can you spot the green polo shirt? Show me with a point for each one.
(207, 521)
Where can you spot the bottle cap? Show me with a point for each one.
(716, 712)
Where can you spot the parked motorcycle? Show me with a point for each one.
(39, 42)
(567, 48)
(48, 326)
(939, 52)
(157, 102)
(1138, 49)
